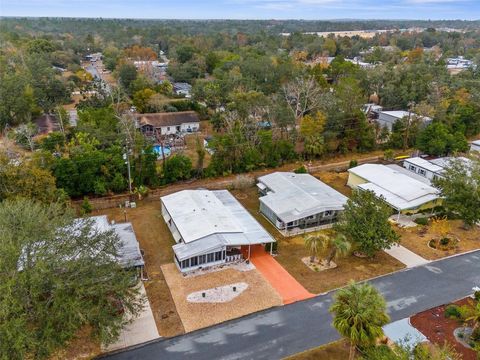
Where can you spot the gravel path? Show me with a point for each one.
(221, 294)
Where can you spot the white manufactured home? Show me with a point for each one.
(210, 228)
(405, 194)
(434, 168)
(475, 146)
(297, 203)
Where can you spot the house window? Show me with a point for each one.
(202, 259)
(310, 217)
(422, 172)
(412, 168)
(210, 257)
(327, 213)
(194, 261)
(185, 263)
(178, 128)
(218, 256)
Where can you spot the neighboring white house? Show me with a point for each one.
(403, 193)
(423, 167)
(129, 253)
(475, 146)
(388, 118)
(431, 169)
(210, 228)
(298, 202)
(168, 123)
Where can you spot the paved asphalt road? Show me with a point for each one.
(94, 72)
(286, 330)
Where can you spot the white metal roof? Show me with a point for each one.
(129, 254)
(199, 213)
(445, 162)
(295, 196)
(129, 249)
(476, 142)
(396, 113)
(424, 164)
(399, 190)
(410, 173)
(211, 220)
(399, 114)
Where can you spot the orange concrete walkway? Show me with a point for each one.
(285, 284)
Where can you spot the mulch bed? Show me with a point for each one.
(438, 329)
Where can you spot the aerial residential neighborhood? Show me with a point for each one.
(240, 180)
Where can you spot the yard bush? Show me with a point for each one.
(301, 170)
(353, 163)
(453, 312)
(422, 221)
(86, 207)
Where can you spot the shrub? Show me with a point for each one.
(421, 221)
(301, 170)
(444, 241)
(86, 207)
(476, 335)
(353, 163)
(388, 155)
(453, 312)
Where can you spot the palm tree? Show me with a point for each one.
(313, 244)
(336, 246)
(475, 318)
(359, 313)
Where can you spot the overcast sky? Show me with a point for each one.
(246, 9)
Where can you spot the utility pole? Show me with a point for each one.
(126, 156)
(411, 104)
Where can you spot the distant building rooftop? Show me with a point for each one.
(167, 118)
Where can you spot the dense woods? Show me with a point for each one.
(270, 91)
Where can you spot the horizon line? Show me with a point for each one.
(233, 19)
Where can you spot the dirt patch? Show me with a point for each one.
(318, 264)
(438, 329)
(292, 249)
(156, 241)
(81, 347)
(337, 180)
(258, 296)
(417, 240)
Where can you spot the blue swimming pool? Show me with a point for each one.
(158, 151)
